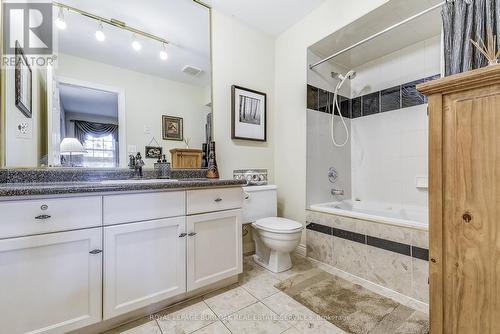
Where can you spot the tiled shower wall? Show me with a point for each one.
(391, 256)
(387, 150)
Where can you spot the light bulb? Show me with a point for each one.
(163, 52)
(60, 22)
(136, 45)
(99, 34)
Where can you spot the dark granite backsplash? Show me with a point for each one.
(40, 175)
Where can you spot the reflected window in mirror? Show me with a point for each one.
(101, 152)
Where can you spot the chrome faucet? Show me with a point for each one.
(136, 163)
(337, 192)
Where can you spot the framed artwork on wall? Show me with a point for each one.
(248, 114)
(23, 84)
(153, 152)
(172, 128)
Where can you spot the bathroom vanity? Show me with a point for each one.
(74, 260)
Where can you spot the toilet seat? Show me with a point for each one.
(278, 225)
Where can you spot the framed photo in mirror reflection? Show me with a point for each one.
(172, 128)
(23, 82)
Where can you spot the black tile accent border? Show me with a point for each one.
(320, 228)
(356, 107)
(420, 253)
(389, 245)
(371, 103)
(393, 98)
(348, 235)
(390, 99)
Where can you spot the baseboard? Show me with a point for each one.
(301, 250)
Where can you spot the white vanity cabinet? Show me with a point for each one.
(66, 263)
(144, 263)
(50, 283)
(213, 247)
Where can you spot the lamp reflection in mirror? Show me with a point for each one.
(71, 146)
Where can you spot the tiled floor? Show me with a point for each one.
(252, 306)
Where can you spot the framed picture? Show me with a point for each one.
(248, 114)
(23, 84)
(172, 128)
(153, 152)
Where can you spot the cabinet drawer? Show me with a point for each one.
(208, 200)
(126, 208)
(49, 215)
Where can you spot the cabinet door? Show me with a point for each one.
(50, 283)
(144, 263)
(470, 229)
(214, 247)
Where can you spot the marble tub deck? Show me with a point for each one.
(254, 305)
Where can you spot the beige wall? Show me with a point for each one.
(241, 56)
(25, 151)
(290, 93)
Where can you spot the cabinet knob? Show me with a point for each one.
(433, 260)
(192, 234)
(467, 217)
(218, 199)
(95, 251)
(42, 217)
(182, 235)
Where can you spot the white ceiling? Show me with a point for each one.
(84, 100)
(270, 16)
(392, 12)
(183, 22)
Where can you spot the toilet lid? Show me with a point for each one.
(278, 224)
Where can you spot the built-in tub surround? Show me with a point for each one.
(397, 215)
(387, 254)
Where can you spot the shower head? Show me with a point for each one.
(349, 75)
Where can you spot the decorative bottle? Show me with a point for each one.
(204, 162)
(213, 172)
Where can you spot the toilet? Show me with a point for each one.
(275, 238)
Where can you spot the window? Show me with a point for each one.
(101, 151)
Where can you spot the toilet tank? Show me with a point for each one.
(259, 202)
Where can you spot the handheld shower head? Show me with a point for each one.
(349, 75)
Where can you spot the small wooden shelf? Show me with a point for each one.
(186, 158)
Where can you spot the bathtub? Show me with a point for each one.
(412, 217)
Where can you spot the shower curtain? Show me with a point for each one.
(464, 20)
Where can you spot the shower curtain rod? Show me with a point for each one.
(377, 34)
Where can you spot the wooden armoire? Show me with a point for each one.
(464, 202)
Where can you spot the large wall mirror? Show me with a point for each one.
(131, 76)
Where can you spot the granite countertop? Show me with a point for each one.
(56, 188)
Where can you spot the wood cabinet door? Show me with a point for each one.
(50, 283)
(214, 247)
(471, 210)
(144, 263)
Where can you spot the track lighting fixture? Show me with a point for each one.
(99, 34)
(60, 22)
(163, 52)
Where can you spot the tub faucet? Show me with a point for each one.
(337, 192)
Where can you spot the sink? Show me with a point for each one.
(136, 181)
